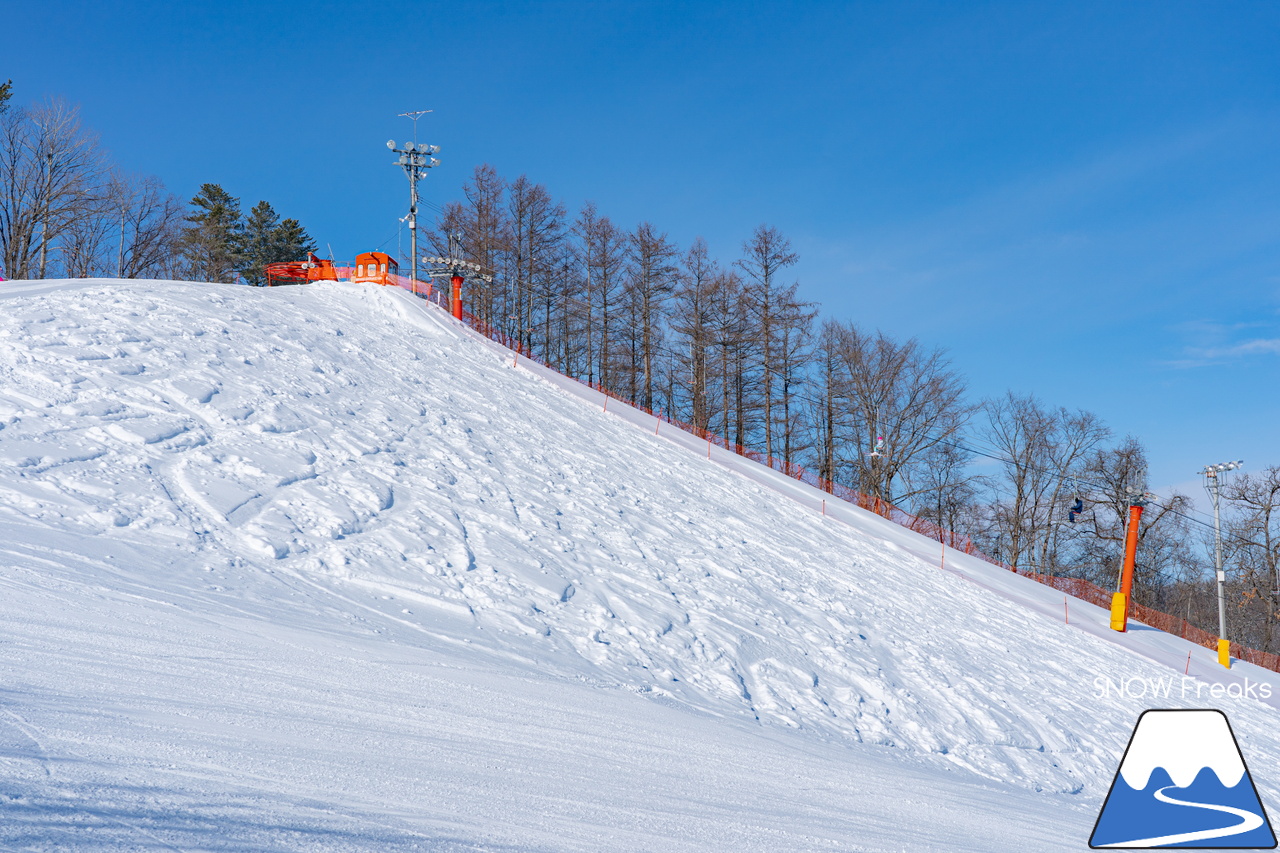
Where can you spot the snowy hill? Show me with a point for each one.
(316, 568)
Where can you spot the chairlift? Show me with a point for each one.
(1076, 509)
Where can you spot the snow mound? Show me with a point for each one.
(351, 458)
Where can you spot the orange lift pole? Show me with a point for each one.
(1120, 599)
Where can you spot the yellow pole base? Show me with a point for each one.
(1119, 612)
(1224, 653)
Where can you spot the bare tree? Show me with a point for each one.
(1253, 548)
(482, 229)
(789, 363)
(650, 281)
(150, 219)
(730, 396)
(1113, 476)
(902, 401)
(691, 323)
(1042, 452)
(601, 248)
(765, 255)
(537, 229)
(50, 168)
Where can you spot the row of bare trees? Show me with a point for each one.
(66, 210)
(732, 348)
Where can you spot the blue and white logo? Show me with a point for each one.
(1183, 783)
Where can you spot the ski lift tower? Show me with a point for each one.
(415, 159)
(457, 270)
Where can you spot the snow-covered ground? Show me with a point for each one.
(315, 568)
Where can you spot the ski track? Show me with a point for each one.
(259, 540)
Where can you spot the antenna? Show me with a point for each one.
(415, 116)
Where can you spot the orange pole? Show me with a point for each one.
(1120, 600)
(457, 296)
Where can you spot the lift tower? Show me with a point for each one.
(456, 269)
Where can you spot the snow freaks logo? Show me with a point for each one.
(1182, 783)
(1183, 687)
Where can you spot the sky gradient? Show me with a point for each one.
(1078, 201)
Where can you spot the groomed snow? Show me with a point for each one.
(315, 568)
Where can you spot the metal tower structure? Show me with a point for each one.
(415, 159)
(457, 270)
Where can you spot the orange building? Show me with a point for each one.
(375, 267)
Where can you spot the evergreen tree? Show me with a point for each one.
(212, 241)
(257, 243)
(291, 242)
(6, 92)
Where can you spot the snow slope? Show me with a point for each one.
(316, 568)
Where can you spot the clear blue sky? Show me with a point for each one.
(1078, 200)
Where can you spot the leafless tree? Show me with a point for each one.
(50, 170)
(1252, 544)
(691, 324)
(764, 257)
(651, 278)
(1042, 451)
(1112, 477)
(537, 229)
(788, 365)
(901, 401)
(481, 224)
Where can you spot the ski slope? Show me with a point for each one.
(316, 568)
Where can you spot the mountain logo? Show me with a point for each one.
(1183, 783)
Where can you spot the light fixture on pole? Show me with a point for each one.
(415, 160)
(1212, 480)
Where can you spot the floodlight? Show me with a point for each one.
(391, 143)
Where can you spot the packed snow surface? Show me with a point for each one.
(316, 568)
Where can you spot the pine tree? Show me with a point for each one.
(257, 243)
(212, 241)
(267, 240)
(6, 92)
(291, 242)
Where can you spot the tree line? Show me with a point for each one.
(66, 210)
(732, 347)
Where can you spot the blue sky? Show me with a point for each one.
(1076, 200)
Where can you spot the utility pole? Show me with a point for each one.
(44, 220)
(415, 159)
(120, 259)
(1211, 483)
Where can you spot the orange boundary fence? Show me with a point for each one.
(1075, 587)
